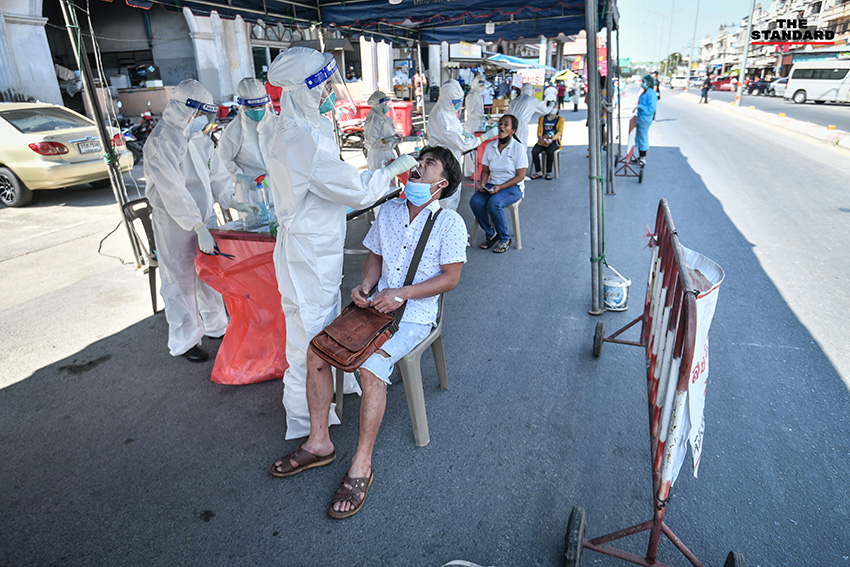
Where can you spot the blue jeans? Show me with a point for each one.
(486, 206)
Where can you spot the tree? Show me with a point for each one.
(673, 60)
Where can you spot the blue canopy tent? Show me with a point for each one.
(458, 20)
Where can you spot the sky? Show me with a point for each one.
(645, 25)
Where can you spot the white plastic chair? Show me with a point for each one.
(513, 208)
(410, 370)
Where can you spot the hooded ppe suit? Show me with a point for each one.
(379, 126)
(475, 105)
(524, 107)
(647, 103)
(184, 178)
(550, 94)
(445, 129)
(245, 143)
(311, 188)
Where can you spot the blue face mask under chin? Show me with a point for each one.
(255, 114)
(418, 193)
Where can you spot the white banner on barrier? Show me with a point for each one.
(707, 276)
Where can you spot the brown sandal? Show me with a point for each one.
(304, 458)
(355, 495)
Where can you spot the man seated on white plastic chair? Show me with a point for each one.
(391, 241)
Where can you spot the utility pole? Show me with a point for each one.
(669, 38)
(693, 41)
(743, 72)
(110, 156)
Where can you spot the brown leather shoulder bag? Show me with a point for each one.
(358, 332)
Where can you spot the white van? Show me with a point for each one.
(820, 81)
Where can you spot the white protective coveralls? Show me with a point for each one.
(184, 178)
(245, 143)
(550, 94)
(475, 105)
(524, 107)
(311, 188)
(445, 129)
(379, 126)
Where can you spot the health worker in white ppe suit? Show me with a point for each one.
(184, 178)
(475, 105)
(379, 132)
(312, 187)
(445, 129)
(245, 143)
(525, 107)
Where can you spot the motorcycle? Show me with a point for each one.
(350, 127)
(136, 136)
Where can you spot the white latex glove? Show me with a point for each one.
(402, 164)
(245, 179)
(244, 207)
(491, 133)
(205, 240)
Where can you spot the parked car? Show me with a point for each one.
(45, 146)
(819, 81)
(723, 84)
(777, 87)
(679, 82)
(757, 87)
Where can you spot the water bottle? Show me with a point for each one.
(263, 217)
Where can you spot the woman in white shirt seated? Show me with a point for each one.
(504, 164)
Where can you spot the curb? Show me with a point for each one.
(836, 138)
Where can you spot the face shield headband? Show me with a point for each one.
(201, 106)
(321, 75)
(254, 101)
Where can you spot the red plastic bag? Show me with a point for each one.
(254, 347)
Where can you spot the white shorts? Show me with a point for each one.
(407, 338)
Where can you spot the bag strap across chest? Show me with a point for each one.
(414, 264)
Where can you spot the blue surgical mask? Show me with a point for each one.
(255, 114)
(386, 110)
(418, 193)
(328, 105)
(197, 124)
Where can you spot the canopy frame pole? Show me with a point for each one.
(421, 71)
(609, 95)
(116, 178)
(594, 161)
(620, 103)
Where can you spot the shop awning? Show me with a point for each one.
(512, 62)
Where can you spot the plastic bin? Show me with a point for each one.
(400, 112)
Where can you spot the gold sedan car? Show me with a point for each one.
(45, 146)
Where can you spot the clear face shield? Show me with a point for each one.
(255, 108)
(202, 116)
(335, 102)
(458, 105)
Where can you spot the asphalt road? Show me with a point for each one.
(116, 453)
(820, 114)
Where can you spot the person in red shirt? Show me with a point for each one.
(562, 91)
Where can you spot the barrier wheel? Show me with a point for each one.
(574, 540)
(640, 176)
(735, 559)
(598, 339)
